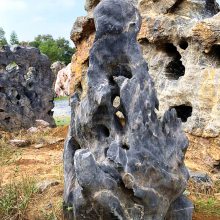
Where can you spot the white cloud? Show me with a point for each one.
(11, 5)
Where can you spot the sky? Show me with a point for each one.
(29, 18)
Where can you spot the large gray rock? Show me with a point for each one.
(26, 92)
(120, 160)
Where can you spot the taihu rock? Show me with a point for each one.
(122, 169)
(26, 92)
(180, 42)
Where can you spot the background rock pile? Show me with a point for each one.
(26, 92)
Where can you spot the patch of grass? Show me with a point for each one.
(15, 197)
(61, 98)
(55, 213)
(209, 206)
(62, 121)
(6, 152)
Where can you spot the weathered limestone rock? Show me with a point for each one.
(26, 92)
(57, 66)
(181, 43)
(63, 81)
(122, 169)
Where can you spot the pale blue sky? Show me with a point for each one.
(28, 18)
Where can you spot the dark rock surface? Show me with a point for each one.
(120, 160)
(26, 92)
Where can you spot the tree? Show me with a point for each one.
(3, 40)
(13, 38)
(55, 49)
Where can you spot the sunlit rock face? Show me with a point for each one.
(180, 42)
(120, 160)
(26, 92)
(63, 81)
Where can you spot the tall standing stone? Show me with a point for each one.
(120, 160)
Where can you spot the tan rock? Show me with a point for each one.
(181, 44)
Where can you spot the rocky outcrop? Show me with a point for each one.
(63, 81)
(26, 92)
(56, 67)
(127, 167)
(180, 42)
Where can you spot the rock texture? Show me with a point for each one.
(63, 81)
(56, 67)
(181, 43)
(127, 167)
(26, 92)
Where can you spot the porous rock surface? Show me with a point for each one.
(127, 167)
(26, 93)
(180, 40)
(63, 81)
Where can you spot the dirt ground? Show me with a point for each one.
(46, 163)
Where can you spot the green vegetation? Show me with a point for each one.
(209, 206)
(6, 152)
(14, 38)
(3, 40)
(61, 98)
(14, 199)
(55, 49)
(62, 120)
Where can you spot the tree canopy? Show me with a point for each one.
(13, 38)
(3, 40)
(55, 49)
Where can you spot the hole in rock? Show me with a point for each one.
(183, 112)
(175, 69)
(102, 131)
(30, 85)
(105, 151)
(183, 44)
(122, 70)
(215, 54)
(2, 110)
(2, 67)
(2, 89)
(18, 97)
(175, 6)
(7, 120)
(143, 41)
(50, 113)
(125, 147)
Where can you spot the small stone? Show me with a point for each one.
(56, 141)
(42, 124)
(199, 177)
(39, 146)
(42, 186)
(33, 130)
(19, 143)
